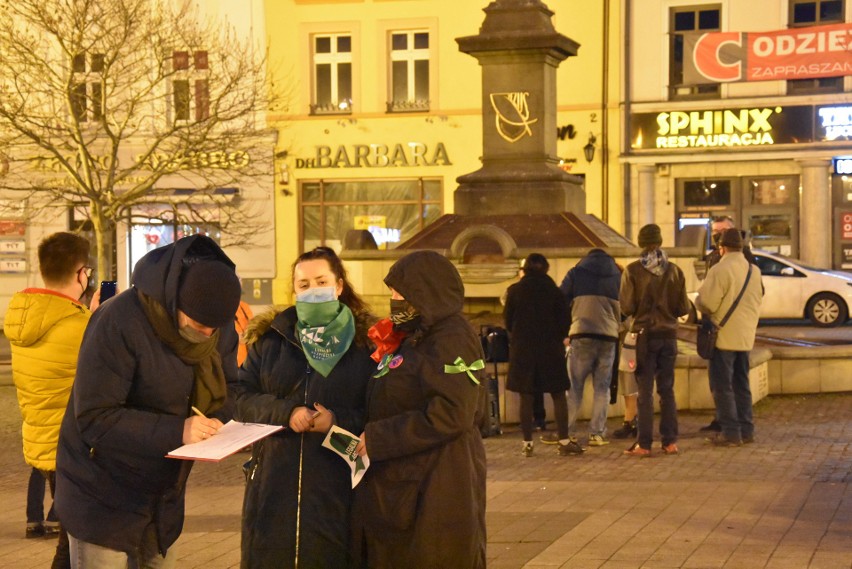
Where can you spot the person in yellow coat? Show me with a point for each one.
(45, 328)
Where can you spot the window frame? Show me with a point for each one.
(410, 55)
(322, 203)
(87, 87)
(817, 85)
(194, 79)
(334, 59)
(681, 92)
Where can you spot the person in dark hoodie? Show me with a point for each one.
(307, 368)
(653, 292)
(591, 292)
(421, 503)
(148, 356)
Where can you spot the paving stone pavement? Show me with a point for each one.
(784, 502)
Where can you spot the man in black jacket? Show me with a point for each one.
(149, 357)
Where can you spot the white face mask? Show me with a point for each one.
(317, 294)
(190, 334)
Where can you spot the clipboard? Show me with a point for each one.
(231, 438)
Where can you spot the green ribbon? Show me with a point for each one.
(459, 366)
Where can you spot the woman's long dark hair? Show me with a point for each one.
(348, 296)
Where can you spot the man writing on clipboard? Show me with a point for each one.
(148, 356)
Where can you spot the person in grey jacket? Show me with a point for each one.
(591, 292)
(728, 368)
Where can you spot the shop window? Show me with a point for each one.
(805, 13)
(156, 225)
(687, 20)
(86, 89)
(190, 86)
(332, 74)
(706, 193)
(409, 71)
(772, 191)
(391, 211)
(770, 228)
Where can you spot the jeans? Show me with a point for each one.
(90, 556)
(590, 356)
(728, 371)
(655, 362)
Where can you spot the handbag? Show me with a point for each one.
(627, 358)
(705, 337)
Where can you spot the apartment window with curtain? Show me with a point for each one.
(409, 71)
(87, 87)
(685, 20)
(332, 74)
(804, 13)
(190, 86)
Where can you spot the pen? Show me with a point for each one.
(198, 412)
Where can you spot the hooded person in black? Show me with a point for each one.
(422, 501)
(148, 356)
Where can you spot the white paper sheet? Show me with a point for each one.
(231, 438)
(342, 443)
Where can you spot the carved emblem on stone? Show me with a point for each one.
(512, 115)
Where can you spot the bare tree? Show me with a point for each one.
(112, 105)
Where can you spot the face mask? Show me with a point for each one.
(190, 334)
(404, 316)
(317, 294)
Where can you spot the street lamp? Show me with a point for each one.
(589, 148)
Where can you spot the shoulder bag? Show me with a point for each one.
(705, 337)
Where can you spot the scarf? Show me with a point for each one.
(405, 317)
(325, 330)
(208, 386)
(656, 261)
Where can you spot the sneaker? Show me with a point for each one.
(51, 529)
(636, 450)
(527, 450)
(597, 441)
(571, 448)
(627, 430)
(34, 530)
(721, 440)
(671, 448)
(713, 427)
(549, 439)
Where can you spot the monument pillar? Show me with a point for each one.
(519, 51)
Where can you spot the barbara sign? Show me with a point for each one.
(796, 53)
(376, 156)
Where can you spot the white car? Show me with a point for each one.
(794, 290)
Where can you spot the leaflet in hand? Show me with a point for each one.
(231, 438)
(343, 443)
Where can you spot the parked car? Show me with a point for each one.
(794, 290)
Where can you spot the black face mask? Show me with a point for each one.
(404, 316)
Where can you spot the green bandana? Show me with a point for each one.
(325, 330)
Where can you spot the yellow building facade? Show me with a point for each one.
(384, 113)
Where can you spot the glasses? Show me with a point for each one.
(87, 270)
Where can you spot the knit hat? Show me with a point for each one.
(650, 235)
(731, 238)
(209, 293)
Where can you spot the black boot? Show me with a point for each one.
(627, 430)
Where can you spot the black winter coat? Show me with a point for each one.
(421, 504)
(128, 405)
(275, 379)
(537, 319)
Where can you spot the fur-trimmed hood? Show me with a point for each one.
(282, 318)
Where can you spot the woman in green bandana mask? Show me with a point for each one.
(307, 368)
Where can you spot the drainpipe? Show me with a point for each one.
(605, 116)
(628, 76)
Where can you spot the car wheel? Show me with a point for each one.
(826, 309)
(690, 317)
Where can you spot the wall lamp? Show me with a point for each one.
(589, 148)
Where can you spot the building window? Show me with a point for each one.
(685, 21)
(156, 225)
(86, 96)
(409, 71)
(332, 69)
(190, 86)
(372, 213)
(805, 13)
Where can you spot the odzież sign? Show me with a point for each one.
(376, 156)
(796, 53)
